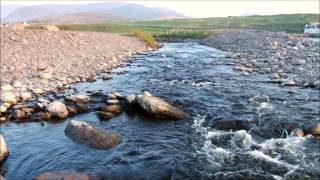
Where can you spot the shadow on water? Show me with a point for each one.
(201, 81)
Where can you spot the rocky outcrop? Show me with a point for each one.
(65, 175)
(58, 110)
(93, 137)
(114, 106)
(158, 107)
(4, 151)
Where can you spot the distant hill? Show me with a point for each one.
(133, 11)
(82, 18)
(139, 12)
(7, 9)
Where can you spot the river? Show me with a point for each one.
(199, 80)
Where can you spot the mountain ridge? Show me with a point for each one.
(129, 10)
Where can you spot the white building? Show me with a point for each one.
(313, 28)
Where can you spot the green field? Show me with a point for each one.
(202, 27)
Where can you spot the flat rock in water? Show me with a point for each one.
(93, 137)
(158, 107)
(65, 175)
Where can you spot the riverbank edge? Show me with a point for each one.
(7, 110)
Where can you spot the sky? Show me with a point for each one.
(215, 8)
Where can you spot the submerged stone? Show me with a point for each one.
(93, 137)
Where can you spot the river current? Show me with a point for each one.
(200, 81)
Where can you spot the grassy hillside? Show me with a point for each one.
(186, 28)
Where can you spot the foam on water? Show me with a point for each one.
(288, 154)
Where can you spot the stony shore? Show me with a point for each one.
(37, 62)
(288, 59)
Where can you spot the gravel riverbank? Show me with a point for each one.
(288, 59)
(34, 62)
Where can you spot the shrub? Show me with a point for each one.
(146, 37)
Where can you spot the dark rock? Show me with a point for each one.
(19, 115)
(231, 125)
(86, 134)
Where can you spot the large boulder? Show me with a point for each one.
(86, 134)
(4, 152)
(65, 175)
(158, 107)
(58, 110)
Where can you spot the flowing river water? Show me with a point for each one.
(199, 80)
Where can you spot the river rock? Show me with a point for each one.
(289, 82)
(16, 84)
(58, 110)
(130, 100)
(37, 91)
(8, 97)
(19, 115)
(158, 107)
(313, 129)
(86, 134)
(111, 96)
(107, 77)
(83, 99)
(65, 175)
(113, 101)
(4, 151)
(40, 116)
(44, 75)
(6, 87)
(115, 108)
(26, 96)
(118, 95)
(3, 109)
